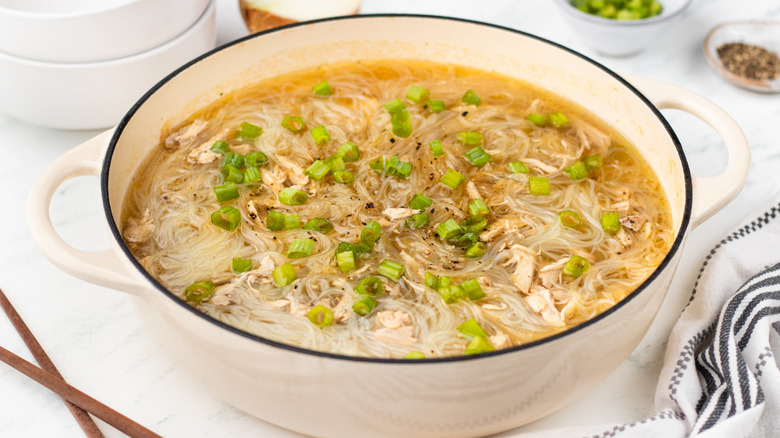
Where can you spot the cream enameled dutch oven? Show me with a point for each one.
(330, 395)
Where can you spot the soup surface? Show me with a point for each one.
(397, 209)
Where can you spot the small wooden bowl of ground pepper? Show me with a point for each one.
(746, 53)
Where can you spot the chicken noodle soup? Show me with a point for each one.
(397, 209)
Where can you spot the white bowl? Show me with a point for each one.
(92, 30)
(95, 95)
(764, 34)
(620, 37)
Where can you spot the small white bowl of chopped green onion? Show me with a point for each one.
(620, 27)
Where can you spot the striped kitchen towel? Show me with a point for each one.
(721, 375)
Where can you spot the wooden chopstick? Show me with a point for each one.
(52, 379)
(82, 417)
(98, 409)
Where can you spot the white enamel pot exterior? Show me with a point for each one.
(328, 395)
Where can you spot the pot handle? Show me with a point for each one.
(108, 267)
(710, 194)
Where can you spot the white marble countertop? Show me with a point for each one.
(98, 342)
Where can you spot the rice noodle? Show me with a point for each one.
(174, 191)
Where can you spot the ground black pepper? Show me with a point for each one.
(749, 61)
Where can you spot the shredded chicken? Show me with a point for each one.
(398, 213)
(300, 310)
(499, 227)
(499, 306)
(540, 300)
(274, 179)
(139, 230)
(343, 310)
(203, 153)
(633, 222)
(294, 172)
(223, 295)
(278, 304)
(471, 189)
(263, 272)
(392, 319)
(524, 261)
(500, 340)
(624, 238)
(544, 167)
(185, 137)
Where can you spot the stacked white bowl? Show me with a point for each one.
(81, 64)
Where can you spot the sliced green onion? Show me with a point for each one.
(321, 316)
(233, 159)
(228, 218)
(449, 229)
(274, 220)
(293, 124)
(364, 305)
(559, 120)
(255, 159)
(319, 225)
(344, 177)
(320, 135)
(226, 192)
(436, 106)
(478, 208)
(475, 224)
(345, 261)
(517, 167)
(397, 168)
(402, 124)
(610, 222)
(451, 293)
(284, 275)
(300, 248)
(252, 175)
(592, 162)
(577, 170)
(416, 221)
(465, 240)
(322, 89)
(576, 266)
(292, 221)
(394, 106)
(473, 289)
(418, 94)
(336, 163)
(420, 202)
(536, 119)
(241, 265)
(232, 174)
(436, 148)
(317, 170)
(348, 152)
(469, 138)
(377, 165)
(370, 286)
(452, 179)
(538, 185)
(471, 328)
(415, 355)
(478, 156)
(471, 98)
(431, 280)
(220, 147)
(570, 218)
(291, 196)
(444, 281)
(248, 131)
(391, 270)
(370, 233)
(476, 251)
(479, 345)
(199, 291)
